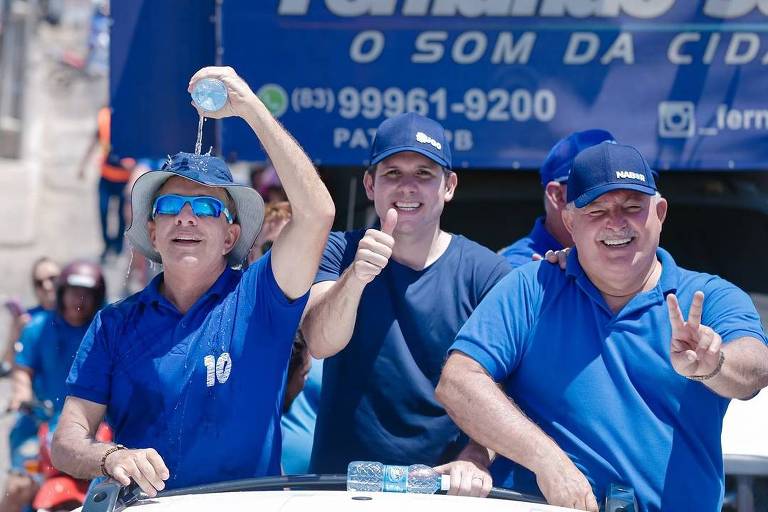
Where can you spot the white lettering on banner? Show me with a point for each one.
(217, 369)
(742, 48)
(366, 46)
(644, 9)
(733, 8)
(359, 138)
(734, 56)
(470, 47)
(630, 174)
(583, 47)
(744, 119)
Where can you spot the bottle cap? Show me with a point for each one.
(445, 482)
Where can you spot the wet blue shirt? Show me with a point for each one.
(538, 241)
(48, 345)
(602, 385)
(205, 388)
(298, 424)
(378, 398)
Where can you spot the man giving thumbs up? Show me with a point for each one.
(385, 306)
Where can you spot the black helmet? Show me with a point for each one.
(82, 274)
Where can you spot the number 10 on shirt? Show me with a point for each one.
(217, 369)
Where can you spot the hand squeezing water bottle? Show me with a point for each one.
(209, 94)
(370, 476)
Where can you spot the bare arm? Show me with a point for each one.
(76, 451)
(488, 416)
(744, 371)
(21, 386)
(695, 350)
(296, 253)
(329, 318)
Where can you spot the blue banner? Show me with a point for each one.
(682, 80)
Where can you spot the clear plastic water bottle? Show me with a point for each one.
(370, 476)
(209, 94)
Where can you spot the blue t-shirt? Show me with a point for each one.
(205, 388)
(602, 385)
(378, 398)
(298, 424)
(538, 241)
(47, 346)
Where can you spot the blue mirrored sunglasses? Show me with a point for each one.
(202, 206)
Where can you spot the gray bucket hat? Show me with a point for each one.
(205, 170)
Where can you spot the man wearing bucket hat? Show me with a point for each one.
(190, 371)
(549, 232)
(384, 308)
(612, 383)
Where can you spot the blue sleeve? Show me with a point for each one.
(498, 268)
(496, 332)
(268, 299)
(331, 262)
(729, 311)
(29, 343)
(91, 372)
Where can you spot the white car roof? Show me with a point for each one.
(338, 501)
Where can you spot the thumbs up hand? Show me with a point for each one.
(375, 249)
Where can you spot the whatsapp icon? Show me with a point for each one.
(274, 98)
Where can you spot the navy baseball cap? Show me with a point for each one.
(559, 161)
(605, 167)
(411, 132)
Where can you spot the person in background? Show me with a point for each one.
(305, 377)
(115, 172)
(47, 347)
(44, 274)
(549, 233)
(617, 370)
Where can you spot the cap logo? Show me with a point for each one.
(426, 139)
(81, 281)
(630, 175)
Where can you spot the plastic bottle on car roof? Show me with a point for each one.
(371, 476)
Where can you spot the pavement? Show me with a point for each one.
(46, 209)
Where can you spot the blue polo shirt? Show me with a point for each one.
(602, 385)
(204, 388)
(378, 395)
(47, 346)
(538, 241)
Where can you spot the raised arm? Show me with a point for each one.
(488, 416)
(296, 252)
(76, 451)
(737, 369)
(331, 312)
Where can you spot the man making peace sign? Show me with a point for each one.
(610, 384)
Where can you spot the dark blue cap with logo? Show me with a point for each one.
(559, 161)
(606, 167)
(411, 132)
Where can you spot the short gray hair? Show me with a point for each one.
(572, 205)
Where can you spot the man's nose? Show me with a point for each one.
(186, 216)
(616, 218)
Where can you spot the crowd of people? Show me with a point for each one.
(578, 357)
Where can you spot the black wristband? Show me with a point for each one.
(713, 373)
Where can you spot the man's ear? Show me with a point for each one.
(567, 216)
(555, 194)
(233, 234)
(662, 207)
(451, 181)
(368, 184)
(152, 232)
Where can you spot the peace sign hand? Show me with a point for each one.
(694, 348)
